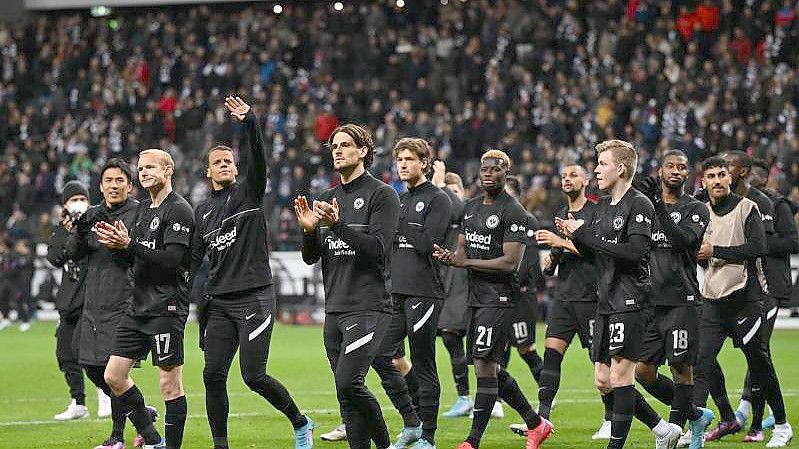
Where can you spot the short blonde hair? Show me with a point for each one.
(496, 154)
(623, 153)
(164, 157)
(453, 178)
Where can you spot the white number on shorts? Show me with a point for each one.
(162, 338)
(520, 329)
(484, 335)
(680, 338)
(616, 332)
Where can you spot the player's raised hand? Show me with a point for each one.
(237, 107)
(439, 173)
(305, 216)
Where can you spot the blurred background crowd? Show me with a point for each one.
(544, 80)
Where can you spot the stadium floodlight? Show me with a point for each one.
(338, 6)
(278, 8)
(100, 11)
(400, 3)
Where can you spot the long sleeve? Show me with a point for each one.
(197, 247)
(382, 225)
(253, 161)
(434, 228)
(311, 251)
(57, 253)
(785, 240)
(169, 257)
(681, 237)
(633, 250)
(755, 245)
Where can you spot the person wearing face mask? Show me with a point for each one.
(69, 300)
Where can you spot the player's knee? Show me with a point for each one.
(213, 377)
(346, 391)
(113, 380)
(253, 379)
(645, 374)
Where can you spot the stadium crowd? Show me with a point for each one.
(542, 80)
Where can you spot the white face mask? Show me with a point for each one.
(78, 207)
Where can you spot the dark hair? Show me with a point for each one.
(119, 163)
(761, 163)
(673, 152)
(715, 162)
(217, 147)
(418, 147)
(741, 156)
(360, 136)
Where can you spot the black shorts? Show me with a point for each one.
(619, 335)
(161, 335)
(524, 319)
(673, 335)
(741, 321)
(567, 318)
(489, 332)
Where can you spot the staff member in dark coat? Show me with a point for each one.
(69, 300)
(108, 290)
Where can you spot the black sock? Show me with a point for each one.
(607, 400)
(133, 404)
(549, 381)
(510, 392)
(412, 380)
(460, 367)
(80, 399)
(220, 443)
(535, 364)
(174, 422)
(644, 412)
(662, 389)
(118, 419)
(623, 410)
(487, 391)
(682, 407)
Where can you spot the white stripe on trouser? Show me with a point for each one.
(752, 331)
(771, 313)
(261, 328)
(359, 342)
(424, 319)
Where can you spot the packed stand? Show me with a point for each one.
(543, 80)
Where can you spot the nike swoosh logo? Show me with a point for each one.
(416, 305)
(205, 215)
(350, 327)
(466, 217)
(679, 353)
(613, 348)
(162, 358)
(742, 321)
(249, 316)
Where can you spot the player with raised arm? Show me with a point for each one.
(350, 228)
(490, 247)
(240, 302)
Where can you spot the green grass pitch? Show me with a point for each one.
(32, 390)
